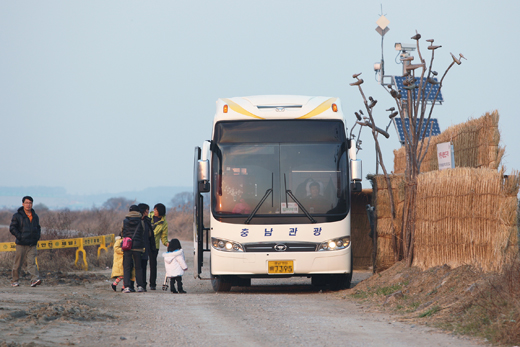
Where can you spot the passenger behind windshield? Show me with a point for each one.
(241, 207)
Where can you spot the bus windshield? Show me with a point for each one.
(312, 167)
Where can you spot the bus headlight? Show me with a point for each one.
(335, 244)
(226, 246)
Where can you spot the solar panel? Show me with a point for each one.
(429, 89)
(434, 125)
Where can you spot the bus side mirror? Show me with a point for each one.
(203, 176)
(355, 187)
(356, 174)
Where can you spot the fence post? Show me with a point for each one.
(80, 249)
(102, 246)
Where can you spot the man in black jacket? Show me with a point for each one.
(133, 227)
(149, 240)
(25, 226)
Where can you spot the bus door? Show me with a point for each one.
(200, 185)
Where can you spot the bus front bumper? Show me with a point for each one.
(258, 264)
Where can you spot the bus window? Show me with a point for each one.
(312, 173)
(248, 172)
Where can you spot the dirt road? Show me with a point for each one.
(84, 311)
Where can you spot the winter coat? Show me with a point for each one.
(130, 223)
(27, 233)
(160, 230)
(117, 264)
(149, 238)
(174, 263)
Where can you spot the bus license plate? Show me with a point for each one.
(280, 267)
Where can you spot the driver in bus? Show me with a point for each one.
(315, 201)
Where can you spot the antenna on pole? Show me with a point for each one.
(382, 29)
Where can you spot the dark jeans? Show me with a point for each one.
(131, 259)
(179, 284)
(144, 264)
(153, 268)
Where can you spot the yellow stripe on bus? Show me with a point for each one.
(320, 109)
(239, 109)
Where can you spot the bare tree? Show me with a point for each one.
(182, 201)
(118, 204)
(370, 123)
(418, 111)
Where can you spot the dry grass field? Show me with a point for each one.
(464, 300)
(72, 224)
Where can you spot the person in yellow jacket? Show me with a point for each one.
(160, 230)
(117, 264)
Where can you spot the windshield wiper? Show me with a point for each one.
(267, 192)
(289, 192)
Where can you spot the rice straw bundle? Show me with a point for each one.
(475, 144)
(360, 229)
(466, 216)
(385, 257)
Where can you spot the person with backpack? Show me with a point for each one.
(117, 266)
(133, 227)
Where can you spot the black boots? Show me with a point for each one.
(179, 285)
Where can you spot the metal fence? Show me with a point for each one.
(103, 242)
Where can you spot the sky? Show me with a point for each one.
(110, 96)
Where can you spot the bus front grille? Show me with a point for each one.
(267, 247)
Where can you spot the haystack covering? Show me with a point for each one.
(466, 215)
(385, 241)
(475, 144)
(360, 230)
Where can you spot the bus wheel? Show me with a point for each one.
(319, 280)
(220, 284)
(339, 282)
(242, 282)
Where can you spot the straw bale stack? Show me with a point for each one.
(385, 242)
(475, 144)
(360, 229)
(466, 216)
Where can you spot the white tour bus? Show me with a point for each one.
(278, 171)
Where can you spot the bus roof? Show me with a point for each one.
(272, 107)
